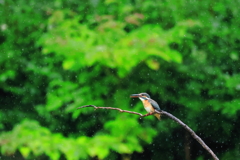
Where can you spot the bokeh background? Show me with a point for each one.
(58, 55)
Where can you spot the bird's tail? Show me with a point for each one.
(158, 116)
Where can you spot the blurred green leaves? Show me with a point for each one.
(59, 55)
(108, 43)
(57, 96)
(33, 140)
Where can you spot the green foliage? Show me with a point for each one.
(108, 43)
(59, 55)
(33, 140)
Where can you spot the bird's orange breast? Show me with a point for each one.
(148, 107)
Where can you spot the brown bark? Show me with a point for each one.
(194, 135)
(187, 146)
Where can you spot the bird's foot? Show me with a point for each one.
(150, 113)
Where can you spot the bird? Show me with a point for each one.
(149, 104)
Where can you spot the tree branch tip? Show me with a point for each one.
(194, 135)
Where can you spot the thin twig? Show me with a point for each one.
(120, 110)
(195, 136)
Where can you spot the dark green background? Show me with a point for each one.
(58, 55)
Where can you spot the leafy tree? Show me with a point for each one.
(59, 55)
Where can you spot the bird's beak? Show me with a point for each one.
(135, 95)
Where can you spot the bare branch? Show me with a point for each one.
(120, 110)
(194, 135)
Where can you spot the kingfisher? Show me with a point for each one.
(149, 104)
